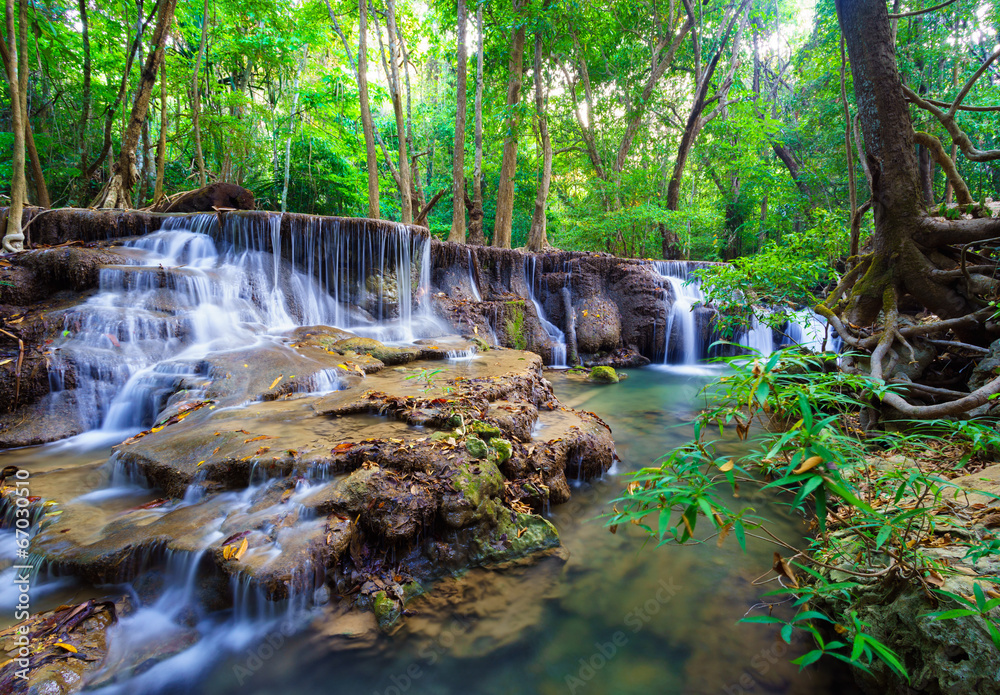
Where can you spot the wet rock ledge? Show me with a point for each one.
(405, 474)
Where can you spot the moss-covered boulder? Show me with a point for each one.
(503, 449)
(476, 447)
(603, 375)
(387, 610)
(484, 430)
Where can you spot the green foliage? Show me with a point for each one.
(796, 412)
(783, 276)
(514, 325)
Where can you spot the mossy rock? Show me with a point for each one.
(478, 481)
(476, 447)
(603, 375)
(373, 348)
(484, 430)
(503, 449)
(387, 610)
(511, 535)
(480, 344)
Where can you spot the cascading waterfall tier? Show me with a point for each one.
(199, 286)
(684, 342)
(557, 337)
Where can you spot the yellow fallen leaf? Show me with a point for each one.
(808, 464)
(200, 462)
(584, 312)
(6, 362)
(246, 365)
(227, 552)
(242, 549)
(275, 382)
(67, 647)
(727, 466)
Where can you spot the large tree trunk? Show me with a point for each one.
(476, 234)
(458, 161)
(13, 239)
(888, 137)
(117, 191)
(199, 158)
(537, 239)
(161, 145)
(508, 163)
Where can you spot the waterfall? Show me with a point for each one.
(472, 278)
(556, 336)
(683, 344)
(197, 287)
(686, 293)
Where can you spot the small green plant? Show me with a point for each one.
(799, 413)
(427, 377)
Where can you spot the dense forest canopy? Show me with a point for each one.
(676, 129)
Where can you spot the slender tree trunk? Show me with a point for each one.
(113, 108)
(13, 239)
(291, 128)
(695, 121)
(537, 239)
(458, 162)
(196, 98)
(405, 192)
(124, 173)
(371, 154)
(37, 175)
(476, 235)
(508, 164)
(161, 145)
(360, 68)
(83, 140)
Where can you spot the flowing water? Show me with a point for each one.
(605, 614)
(557, 358)
(609, 614)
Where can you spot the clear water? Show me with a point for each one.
(617, 616)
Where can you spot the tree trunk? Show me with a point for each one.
(371, 155)
(13, 239)
(37, 175)
(405, 192)
(196, 99)
(476, 234)
(84, 141)
(161, 145)
(896, 263)
(508, 164)
(457, 234)
(695, 122)
(116, 192)
(291, 133)
(537, 239)
(86, 174)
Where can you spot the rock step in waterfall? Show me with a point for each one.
(281, 442)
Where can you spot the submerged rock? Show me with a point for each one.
(603, 375)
